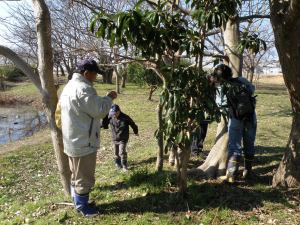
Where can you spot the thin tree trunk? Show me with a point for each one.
(182, 157)
(117, 75)
(62, 70)
(124, 78)
(160, 140)
(45, 68)
(152, 90)
(117, 80)
(251, 75)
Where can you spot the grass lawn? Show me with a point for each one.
(31, 193)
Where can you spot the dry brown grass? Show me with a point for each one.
(271, 80)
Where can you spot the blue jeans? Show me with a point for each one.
(239, 130)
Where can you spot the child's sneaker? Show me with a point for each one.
(124, 165)
(118, 164)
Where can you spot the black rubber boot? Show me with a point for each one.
(248, 161)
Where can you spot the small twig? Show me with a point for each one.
(64, 203)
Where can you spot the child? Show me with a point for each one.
(119, 123)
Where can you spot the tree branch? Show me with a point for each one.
(255, 16)
(22, 65)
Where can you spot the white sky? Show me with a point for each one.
(3, 13)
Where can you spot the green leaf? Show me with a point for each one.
(138, 4)
(137, 17)
(179, 137)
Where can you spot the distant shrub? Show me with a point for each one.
(11, 73)
(141, 76)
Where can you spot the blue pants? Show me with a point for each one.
(239, 130)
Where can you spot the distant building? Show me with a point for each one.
(272, 68)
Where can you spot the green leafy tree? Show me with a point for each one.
(161, 33)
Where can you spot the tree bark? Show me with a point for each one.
(45, 68)
(182, 156)
(151, 91)
(231, 41)
(288, 172)
(117, 80)
(251, 74)
(124, 78)
(160, 139)
(215, 163)
(286, 29)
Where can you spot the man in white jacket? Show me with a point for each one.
(81, 113)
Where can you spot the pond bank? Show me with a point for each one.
(9, 100)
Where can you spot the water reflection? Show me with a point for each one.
(19, 122)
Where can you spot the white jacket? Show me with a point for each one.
(81, 112)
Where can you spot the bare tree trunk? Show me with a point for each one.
(160, 140)
(215, 163)
(286, 30)
(124, 78)
(251, 75)
(231, 39)
(152, 90)
(117, 81)
(62, 71)
(117, 75)
(182, 156)
(45, 68)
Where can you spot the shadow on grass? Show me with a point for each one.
(243, 196)
(202, 196)
(143, 162)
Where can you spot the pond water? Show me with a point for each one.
(19, 122)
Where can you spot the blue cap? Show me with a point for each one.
(114, 108)
(89, 65)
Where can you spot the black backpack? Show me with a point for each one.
(240, 100)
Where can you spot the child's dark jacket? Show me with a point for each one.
(120, 127)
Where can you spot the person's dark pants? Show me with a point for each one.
(120, 153)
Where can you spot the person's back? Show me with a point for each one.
(239, 127)
(240, 99)
(120, 127)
